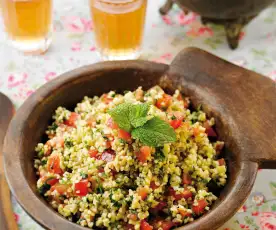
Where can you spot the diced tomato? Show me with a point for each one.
(60, 188)
(72, 120)
(180, 98)
(219, 146)
(161, 205)
(153, 186)
(111, 124)
(107, 99)
(143, 193)
(126, 136)
(52, 181)
(93, 153)
(101, 170)
(209, 130)
(107, 156)
(143, 154)
(175, 123)
(129, 227)
(81, 188)
(196, 131)
(178, 196)
(49, 148)
(91, 121)
(221, 162)
(54, 164)
(186, 178)
(184, 213)
(145, 225)
(167, 225)
(133, 217)
(164, 102)
(198, 209)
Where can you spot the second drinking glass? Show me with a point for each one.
(118, 27)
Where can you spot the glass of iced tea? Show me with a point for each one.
(118, 27)
(28, 24)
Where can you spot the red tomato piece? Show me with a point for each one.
(111, 124)
(126, 136)
(196, 131)
(209, 130)
(133, 217)
(161, 205)
(129, 227)
(107, 156)
(107, 99)
(143, 193)
(143, 154)
(54, 165)
(176, 123)
(221, 162)
(153, 186)
(93, 153)
(185, 213)
(186, 179)
(178, 196)
(81, 188)
(145, 225)
(199, 209)
(49, 150)
(91, 122)
(164, 102)
(60, 188)
(52, 181)
(72, 119)
(167, 225)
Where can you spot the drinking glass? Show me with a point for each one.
(118, 27)
(28, 24)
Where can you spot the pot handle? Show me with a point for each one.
(242, 102)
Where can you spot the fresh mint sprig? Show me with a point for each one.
(151, 131)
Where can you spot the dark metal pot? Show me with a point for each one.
(233, 14)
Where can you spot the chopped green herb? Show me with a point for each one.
(44, 188)
(173, 117)
(44, 162)
(53, 127)
(84, 175)
(68, 143)
(159, 155)
(115, 203)
(100, 189)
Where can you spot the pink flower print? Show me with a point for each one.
(92, 48)
(186, 19)
(242, 34)
(243, 209)
(76, 46)
(257, 198)
(272, 75)
(15, 80)
(49, 76)
(76, 24)
(23, 93)
(167, 20)
(16, 217)
(243, 226)
(255, 213)
(165, 58)
(205, 30)
(267, 220)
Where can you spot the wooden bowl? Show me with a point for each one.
(242, 102)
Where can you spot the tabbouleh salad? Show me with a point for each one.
(138, 160)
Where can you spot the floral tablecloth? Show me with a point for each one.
(74, 46)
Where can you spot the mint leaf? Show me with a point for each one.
(155, 132)
(138, 114)
(120, 114)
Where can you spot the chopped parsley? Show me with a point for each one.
(44, 188)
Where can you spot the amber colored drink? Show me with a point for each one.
(118, 27)
(28, 23)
